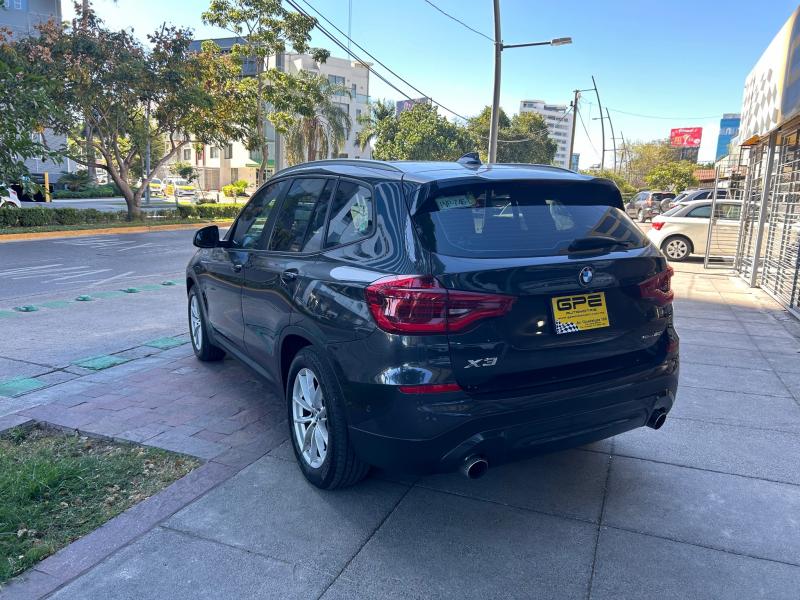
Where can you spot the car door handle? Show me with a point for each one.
(289, 275)
(237, 267)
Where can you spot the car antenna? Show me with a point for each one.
(470, 159)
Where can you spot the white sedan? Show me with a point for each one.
(9, 199)
(683, 230)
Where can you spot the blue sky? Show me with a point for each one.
(679, 58)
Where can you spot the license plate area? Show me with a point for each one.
(580, 312)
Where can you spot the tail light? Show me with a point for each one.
(658, 288)
(418, 305)
(657, 225)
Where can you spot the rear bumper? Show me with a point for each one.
(425, 434)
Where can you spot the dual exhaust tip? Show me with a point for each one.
(475, 467)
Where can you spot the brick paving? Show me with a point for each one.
(706, 507)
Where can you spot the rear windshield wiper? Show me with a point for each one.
(598, 241)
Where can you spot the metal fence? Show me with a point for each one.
(724, 226)
(769, 244)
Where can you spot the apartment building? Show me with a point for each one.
(350, 74)
(21, 18)
(220, 166)
(558, 125)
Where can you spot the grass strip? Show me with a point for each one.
(55, 488)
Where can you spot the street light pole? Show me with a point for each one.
(498, 54)
(574, 123)
(147, 156)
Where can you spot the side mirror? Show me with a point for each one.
(207, 237)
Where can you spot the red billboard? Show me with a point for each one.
(686, 137)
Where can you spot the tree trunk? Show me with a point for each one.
(91, 169)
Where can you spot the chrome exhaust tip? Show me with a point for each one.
(475, 467)
(657, 419)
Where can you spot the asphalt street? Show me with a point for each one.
(51, 274)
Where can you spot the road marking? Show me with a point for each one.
(112, 278)
(48, 273)
(27, 269)
(57, 279)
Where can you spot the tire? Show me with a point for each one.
(326, 463)
(198, 330)
(677, 248)
(8, 205)
(642, 218)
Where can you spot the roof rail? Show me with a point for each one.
(351, 162)
(537, 165)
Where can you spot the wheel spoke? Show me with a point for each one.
(308, 437)
(322, 432)
(298, 397)
(307, 419)
(307, 391)
(316, 397)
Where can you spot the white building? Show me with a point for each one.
(218, 167)
(558, 124)
(341, 71)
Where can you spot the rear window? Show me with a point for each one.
(672, 211)
(521, 219)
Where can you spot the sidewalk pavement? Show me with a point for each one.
(706, 507)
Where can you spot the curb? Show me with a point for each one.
(20, 237)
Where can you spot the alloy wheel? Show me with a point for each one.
(196, 322)
(676, 249)
(310, 418)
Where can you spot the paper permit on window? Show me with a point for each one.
(359, 212)
(450, 202)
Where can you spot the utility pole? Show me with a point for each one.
(613, 139)
(602, 127)
(498, 53)
(147, 156)
(574, 124)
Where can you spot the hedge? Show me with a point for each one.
(42, 217)
(209, 211)
(101, 191)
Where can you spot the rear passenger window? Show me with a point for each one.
(701, 212)
(296, 213)
(352, 214)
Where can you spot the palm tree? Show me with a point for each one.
(379, 110)
(323, 126)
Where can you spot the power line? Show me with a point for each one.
(331, 37)
(631, 114)
(365, 51)
(459, 21)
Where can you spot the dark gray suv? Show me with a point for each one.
(437, 316)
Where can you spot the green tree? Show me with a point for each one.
(642, 157)
(265, 28)
(673, 176)
(622, 183)
(524, 138)
(25, 102)
(420, 133)
(377, 112)
(108, 79)
(184, 170)
(321, 126)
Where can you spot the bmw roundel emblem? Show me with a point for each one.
(586, 275)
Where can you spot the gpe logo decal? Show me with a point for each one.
(573, 302)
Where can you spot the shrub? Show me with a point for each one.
(9, 217)
(66, 216)
(229, 191)
(101, 191)
(35, 217)
(209, 211)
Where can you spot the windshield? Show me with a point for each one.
(521, 219)
(180, 182)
